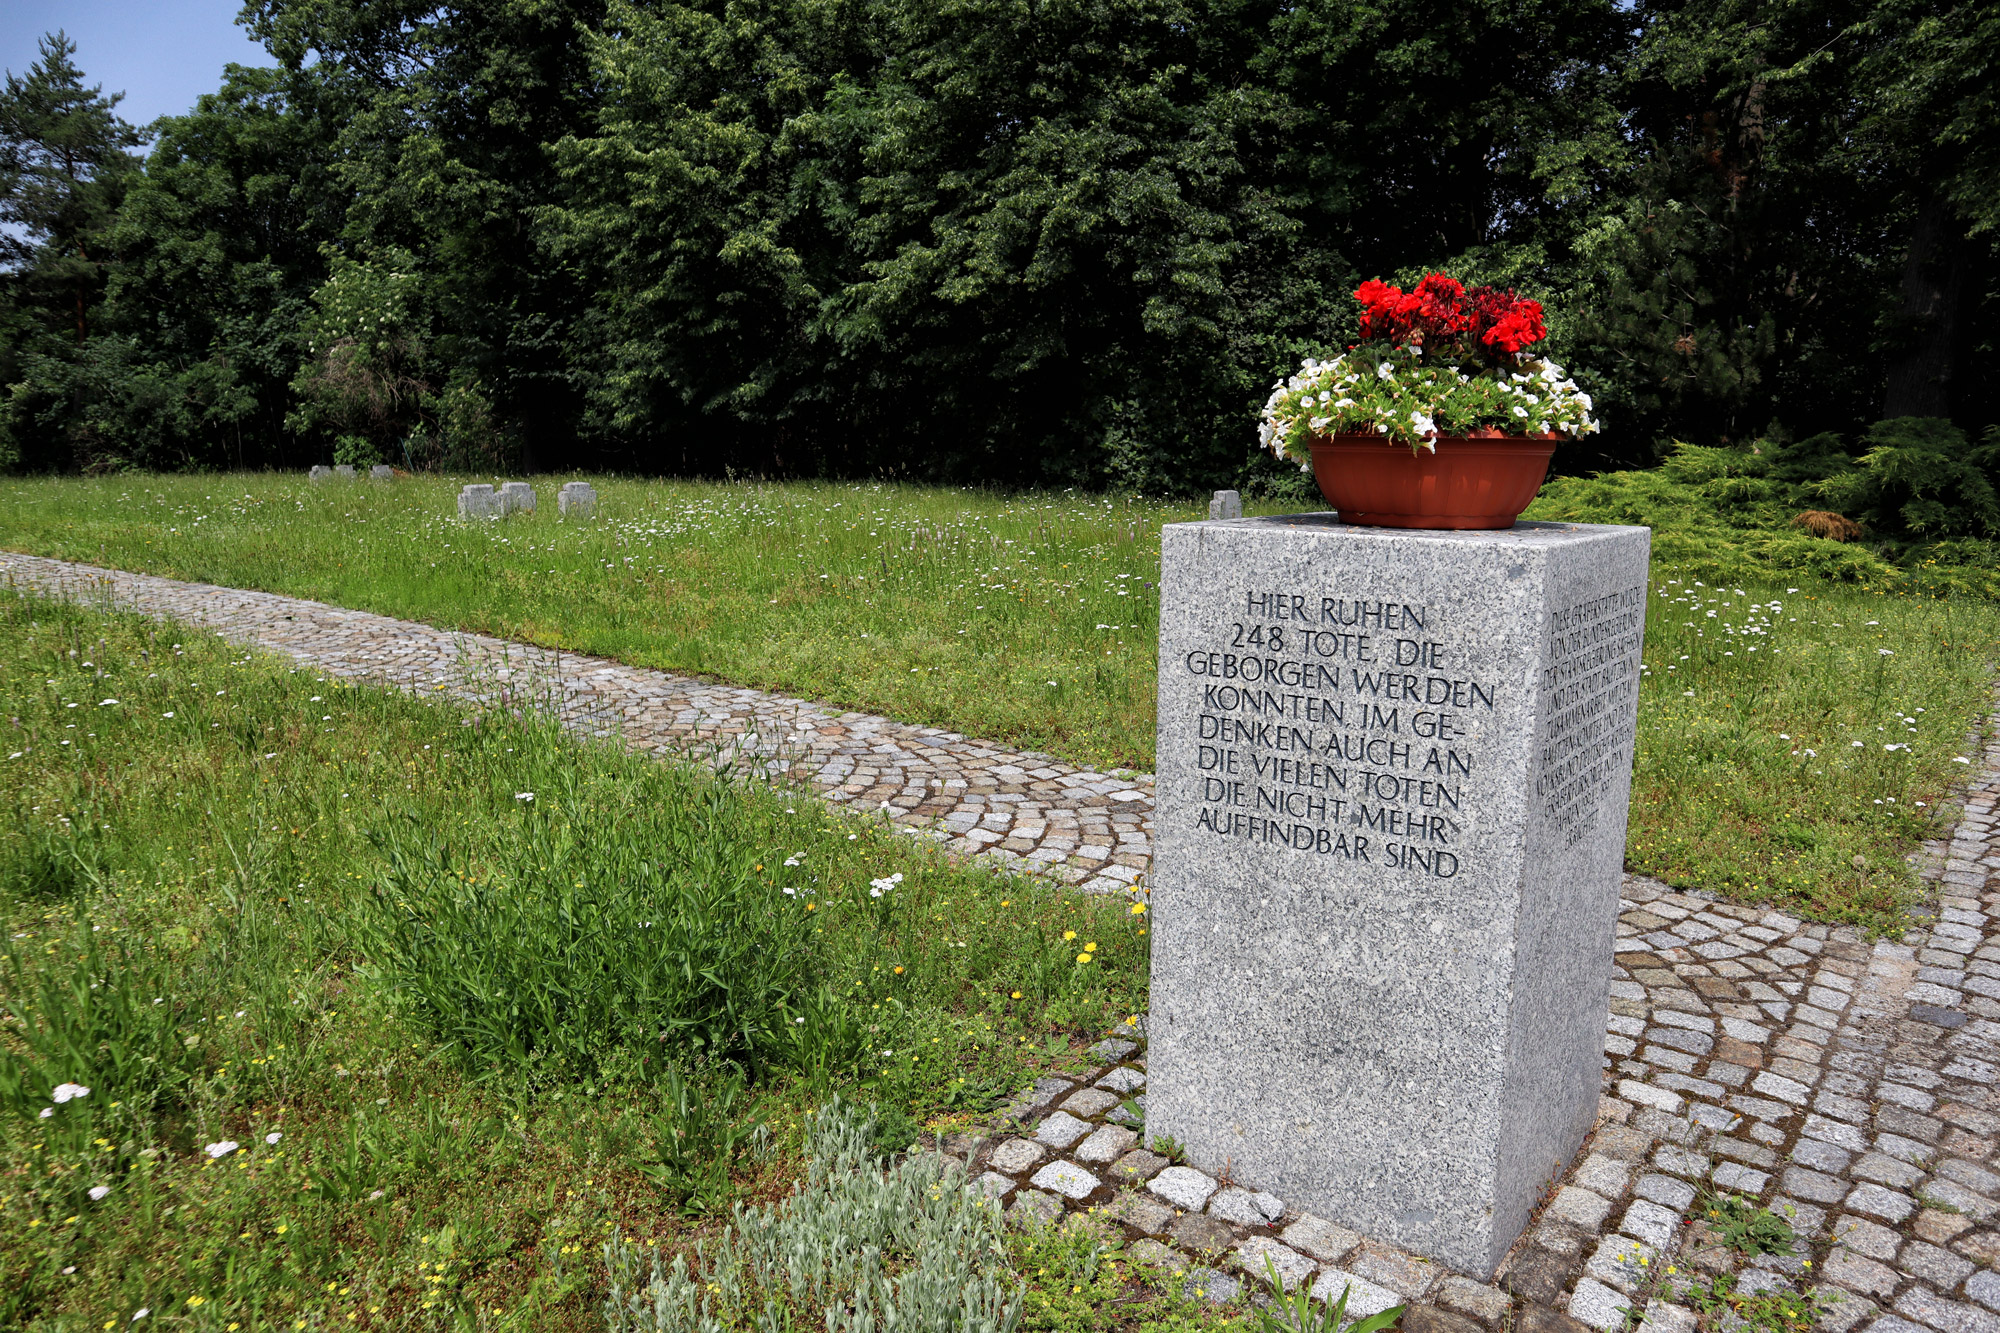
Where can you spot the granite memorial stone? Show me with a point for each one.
(345, 471)
(320, 472)
(1393, 772)
(1226, 504)
(576, 499)
(479, 502)
(382, 472)
(517, 497)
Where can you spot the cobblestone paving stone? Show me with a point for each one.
(1025, 810)
(1845, 1086)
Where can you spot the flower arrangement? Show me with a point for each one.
(1437, 360)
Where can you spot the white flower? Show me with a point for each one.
(795, 858)
(65, 1091)
(1521, 412)
(1584, 401)
(1344, 402)
(48, 1111)
(524, 796)
(107, 703)
(99, 1191)
(878, 887)
(222, 1149)
(273, 1137)
(1387, 370)
(1424, 425)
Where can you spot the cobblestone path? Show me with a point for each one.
(1090, 829)
(1847, 1087)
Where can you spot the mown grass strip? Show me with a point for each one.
(1033, 620)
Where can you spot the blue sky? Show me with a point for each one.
(162, 54)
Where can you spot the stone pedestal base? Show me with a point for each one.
(1393, 772)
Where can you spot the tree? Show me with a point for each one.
(65, 162)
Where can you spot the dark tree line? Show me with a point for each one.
(1025, 241)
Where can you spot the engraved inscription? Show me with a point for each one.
(1338, 726)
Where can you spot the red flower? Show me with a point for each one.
(1441, 311)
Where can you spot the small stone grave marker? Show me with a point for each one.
(576, 499)
(320, 472)
(345, 471)
(517, 497)
(1393, 775)
(1226, 504)
(479, 502)
(382, 472)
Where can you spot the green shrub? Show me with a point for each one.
(912, 1246)
(1923, 495)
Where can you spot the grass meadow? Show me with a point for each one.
(329, 1008)
(1795, 736)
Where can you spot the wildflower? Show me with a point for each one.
(99, 1191)
(222, 1149)
(1137, 909)
(1083, 958)
(524, 796)
(1069, 934)
(47, 1111)
(64, 1091)
(273, 1137)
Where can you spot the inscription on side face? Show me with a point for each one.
(1589, 679)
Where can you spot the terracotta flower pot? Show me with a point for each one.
(1483, 480)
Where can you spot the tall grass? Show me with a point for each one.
(367, 1033)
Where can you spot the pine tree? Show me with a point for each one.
(64, 166)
